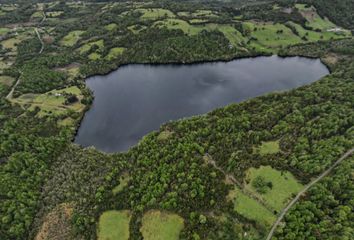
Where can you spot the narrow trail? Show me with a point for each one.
(303, 191)
(9, 96)
(40, 39)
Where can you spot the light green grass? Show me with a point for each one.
(38, 14)
(284, 185)
(114, 225)
(316, 36)
(111, 26)
(71, 38)
(300, 6)
(136, 28)
(87, 46)
(198, 13)
(54, 14)
(53, 102)
(164, 135)
(158, 225)
(270, 147)
(4, 30)
(123, 182)
(115, 52)
(250, 208)
(155, 13)
(6, 80)
(198, 20)
(94, 56)
(271, 35)
(313, 19)
(204, 13)
(11, 43)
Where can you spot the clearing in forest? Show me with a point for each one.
(71, 38)
(273, 186)
(251, 208)
(55, 102)
(158, 225)
(270, 147)
(115, 52)
(87, 46)
(154, 13)
(123, 182)
(114, 225)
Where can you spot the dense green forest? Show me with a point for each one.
(212, 176)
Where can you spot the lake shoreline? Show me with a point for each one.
(264, 76)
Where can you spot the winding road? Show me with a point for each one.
(303, 191)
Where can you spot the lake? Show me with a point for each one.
(136, 99)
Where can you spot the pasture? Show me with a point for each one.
(158, 225)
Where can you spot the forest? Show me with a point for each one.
(212, 176)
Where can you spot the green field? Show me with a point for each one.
(111, 26)
(114, 225)
(155, 13)
(267, 35)
(71, 38)
(4, 30)
(94, 56)
(316, 36)
(115, 52)
(158, 225)
(6, 80)
(250, 208)
(52, 102)
(270, 147)
(87, 46)
(313, 19)
(284, 185)
(54, 14)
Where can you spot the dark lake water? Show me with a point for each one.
(137, 99)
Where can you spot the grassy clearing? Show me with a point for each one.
(123, 182)
(198, 20)
(158, 225)
(4, 30)
(6, 80)
(313, 19)
(53, 102)
(86, 47)
(136, 28)
(164, 135)
(198, 13)
(204, 13)
(11, 43)
(229, 31)
(37, 14)
(316, 36)
(155, 13)
(300, 6)
(250, 208)
(111, 26)
(284, 185)
(270, 147)
(114, 225)
(270, 35)
(54, 14)
(94, 56)
(115, 52)
(71, 38)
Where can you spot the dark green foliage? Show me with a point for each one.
(326, 212)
